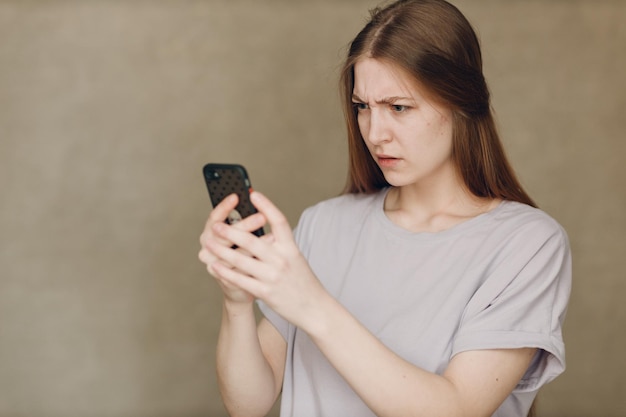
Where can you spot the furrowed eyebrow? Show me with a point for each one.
(391, 100)
(385, 100)
(356, 98)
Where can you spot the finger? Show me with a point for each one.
(268, 238)
(234, 258)
(277, 220)
(206, 258)
(238, 279)
(218, 214)
(204, 255)
(251, 223)
(247, 241)
(222, 210)
(247, 225)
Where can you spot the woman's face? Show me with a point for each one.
(408, 135)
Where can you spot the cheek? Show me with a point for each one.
(441, 129)
(435, 139)
(445, 122)
(445, 128)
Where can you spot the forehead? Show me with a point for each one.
(375, 76)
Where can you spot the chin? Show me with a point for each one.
(397, 181)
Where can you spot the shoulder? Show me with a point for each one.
(337, 215)
(521, 219)
(350, 200)
(521, 232)
(352, 205)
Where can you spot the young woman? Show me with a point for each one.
(432, 287)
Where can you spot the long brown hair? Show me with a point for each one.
(434, 42)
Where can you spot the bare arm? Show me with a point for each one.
(250, 363)
(250, 358)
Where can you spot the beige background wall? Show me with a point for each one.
(109, 109)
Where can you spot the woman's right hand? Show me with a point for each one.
(219, 214)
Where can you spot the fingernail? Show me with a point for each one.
(255, 196)
(219, 227)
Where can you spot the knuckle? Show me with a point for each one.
(281, 220)
(211, 271)
(290, 252)
(276, 273)
(263, 293)
(204, 256)
(282, 264)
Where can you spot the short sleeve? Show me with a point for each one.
(523, 301)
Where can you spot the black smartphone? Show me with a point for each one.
(225, 179)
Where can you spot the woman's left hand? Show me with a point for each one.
(277, 273)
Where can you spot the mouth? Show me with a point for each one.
(386, 160)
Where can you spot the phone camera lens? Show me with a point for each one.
(213, 175)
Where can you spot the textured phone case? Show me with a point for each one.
(225, 179)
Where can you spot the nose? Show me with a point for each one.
(377, 127)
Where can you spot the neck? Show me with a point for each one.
(420, 208)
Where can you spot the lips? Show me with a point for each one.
(386, 160)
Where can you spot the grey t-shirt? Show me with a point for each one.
(499, 280)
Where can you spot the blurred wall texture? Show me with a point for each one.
(109, 109)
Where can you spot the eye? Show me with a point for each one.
(360, 106)
(399, 108)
